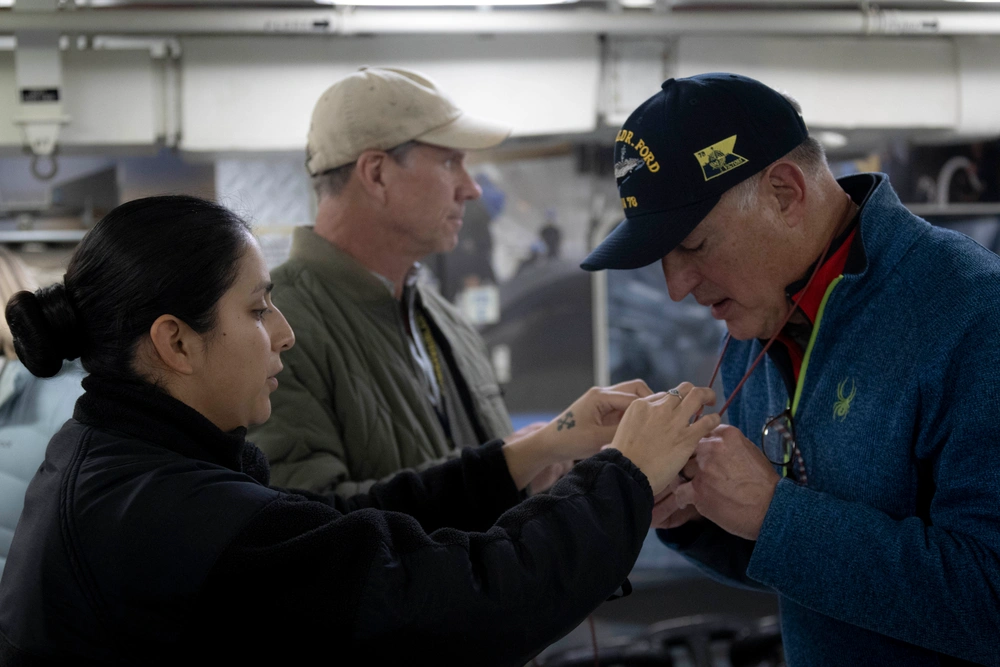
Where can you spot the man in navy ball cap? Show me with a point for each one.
(733, 127)
(858, 477)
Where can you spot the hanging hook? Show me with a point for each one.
(36, 160)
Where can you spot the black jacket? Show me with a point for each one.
(150, 536)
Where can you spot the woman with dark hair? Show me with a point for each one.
(150, 535)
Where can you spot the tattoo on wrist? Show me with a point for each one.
(566, 420)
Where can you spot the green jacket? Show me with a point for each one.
(350, 409)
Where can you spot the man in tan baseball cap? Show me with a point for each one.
(380, 108)
(385, 374)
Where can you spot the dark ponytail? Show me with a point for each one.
(172, 255)
(47, 319)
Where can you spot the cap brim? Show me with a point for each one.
(466, 133)
(643, 239)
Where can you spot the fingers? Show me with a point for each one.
(617, 400)
(662, 494)
(689, 471)
(684, 388)
(684, 496)
(670, 516)
(688, 394)
(678, 392)
(691, 403)
(663, 509)
(697, 397)
(635, 387)
(672, 510)
(680, 517)
(707, 423)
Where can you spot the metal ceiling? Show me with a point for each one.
(612, 17)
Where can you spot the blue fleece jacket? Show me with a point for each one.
(891, 554)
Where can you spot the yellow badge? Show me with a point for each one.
(843, 404)
(719, 158)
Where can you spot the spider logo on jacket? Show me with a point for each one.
(843, 404)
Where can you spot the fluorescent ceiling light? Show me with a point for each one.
(831, 140)
(442, 3)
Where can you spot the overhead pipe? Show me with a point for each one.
(351, 21)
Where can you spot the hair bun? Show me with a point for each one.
(45, 329)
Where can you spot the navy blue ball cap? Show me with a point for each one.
(640, 239)
(681, 150)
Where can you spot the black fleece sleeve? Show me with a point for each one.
(467, 493)
(374, 585)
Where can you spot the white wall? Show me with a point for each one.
(843, 82)
(258, 93)
(936, 86)
(255, 94)
(979, 86)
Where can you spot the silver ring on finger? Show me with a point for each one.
(674, 392)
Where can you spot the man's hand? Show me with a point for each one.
(732, 485)
(666, 513)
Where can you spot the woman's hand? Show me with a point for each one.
(550, 474)
(657, 435)
(577, 433)
(591, 421)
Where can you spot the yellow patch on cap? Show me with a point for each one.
(719, 158)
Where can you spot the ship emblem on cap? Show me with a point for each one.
(625, 167)
(718, 158)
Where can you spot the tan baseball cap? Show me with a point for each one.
(378, 108)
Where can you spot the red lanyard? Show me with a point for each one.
(791, 311)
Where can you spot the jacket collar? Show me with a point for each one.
(143, 412)
(886, 229)
(336, 268)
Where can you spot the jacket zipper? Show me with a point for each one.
(812, 340)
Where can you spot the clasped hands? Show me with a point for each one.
(726, 478)
(657, 432)
(731, 484)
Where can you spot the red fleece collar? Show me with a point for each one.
(811, 300)
(832, 267)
